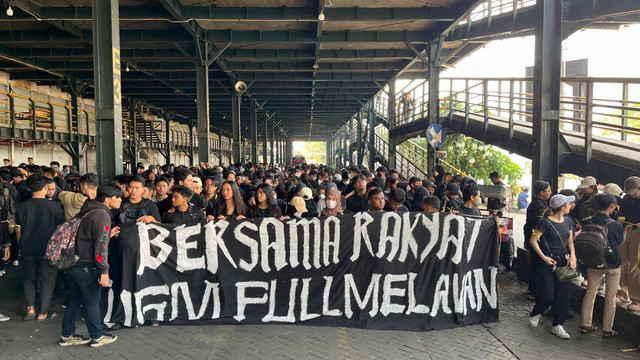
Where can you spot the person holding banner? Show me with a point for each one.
(552, 240)
(182, 211)
(231, 205)
(266, 204)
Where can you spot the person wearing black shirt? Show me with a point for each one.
(552, 240)
(182, 211)
(266, 204)
(92, 244)
(452, 200)
(629, 215)
(395, 200)
(606, 203)
(471, 197)
(357, 200)
(135, 208)
(539, 203)
(37, 219)
(231, 205)
(18, 180)
(376, 199)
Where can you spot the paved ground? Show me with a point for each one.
(511, 338)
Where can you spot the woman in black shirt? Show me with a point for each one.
(552, 240)
(266, 205)
(231, 205)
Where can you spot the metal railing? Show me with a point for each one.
(491, 8)
(21, 112)
(598, 110)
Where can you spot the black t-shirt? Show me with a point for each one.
(199, 201)
(38, 219)
(556, 236)
(463, 210)
(273, 211)
(357, 203)
(23, 191)
(400, 208)
(163, 205)
(193, 214)
(129, 212)
(534, 214)
(630, 209)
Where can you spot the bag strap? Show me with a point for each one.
(559, 237)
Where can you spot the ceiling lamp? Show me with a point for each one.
(9, 11)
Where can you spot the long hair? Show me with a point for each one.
(240, 207)
(268, 191)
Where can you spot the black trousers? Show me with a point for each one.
(39, 279)
(551, 292)
(535, 265)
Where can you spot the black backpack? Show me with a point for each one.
(592, 245)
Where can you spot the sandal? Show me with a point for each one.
(587, 329)
(49, 316)
(633, 307)
(29, 316)
(609, 334)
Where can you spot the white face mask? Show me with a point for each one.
(331, 204)
(478, 201)
(321, 196)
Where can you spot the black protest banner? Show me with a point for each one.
(387, 270)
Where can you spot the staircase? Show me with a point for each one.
(148, 128)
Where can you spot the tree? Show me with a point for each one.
(478, 160)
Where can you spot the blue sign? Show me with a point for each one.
(436, 135)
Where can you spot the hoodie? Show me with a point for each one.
(92, 239)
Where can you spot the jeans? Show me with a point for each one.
(84, 289)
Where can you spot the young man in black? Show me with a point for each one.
(91, 272)
(37, 218)
(135, 208)
(182, 211)
(539, 203)
(357, 200)
(395, 200)
(471, 197)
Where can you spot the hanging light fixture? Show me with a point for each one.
(9, 11)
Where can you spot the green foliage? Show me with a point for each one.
(478, 159)
(633, 121)
(316, 150)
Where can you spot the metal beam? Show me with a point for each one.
(203, 102)
(254, 132)
(236, 128)
(546, 92)
(106, 48)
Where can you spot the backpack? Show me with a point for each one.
(61, 246)
(592, 245)
(132, 212)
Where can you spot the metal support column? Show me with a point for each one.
(76, 89)
(202, 93)
(391, 116)
(265, 127)
(272, 158)
(340, 158)
(433, 107)
(254, 132)
(191, 146)
(359, 152)
(372, 138)
(546, 92)
(108, 87)
(237, 129)
(167, 134)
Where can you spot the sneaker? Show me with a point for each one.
(535, 320)
(74, 339)
(155, 323)
(4, 318)
(15, 263)
(103, 340)
(559, 331)
(2, 272)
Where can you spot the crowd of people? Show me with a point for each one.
(554, 222)
(37, 199)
